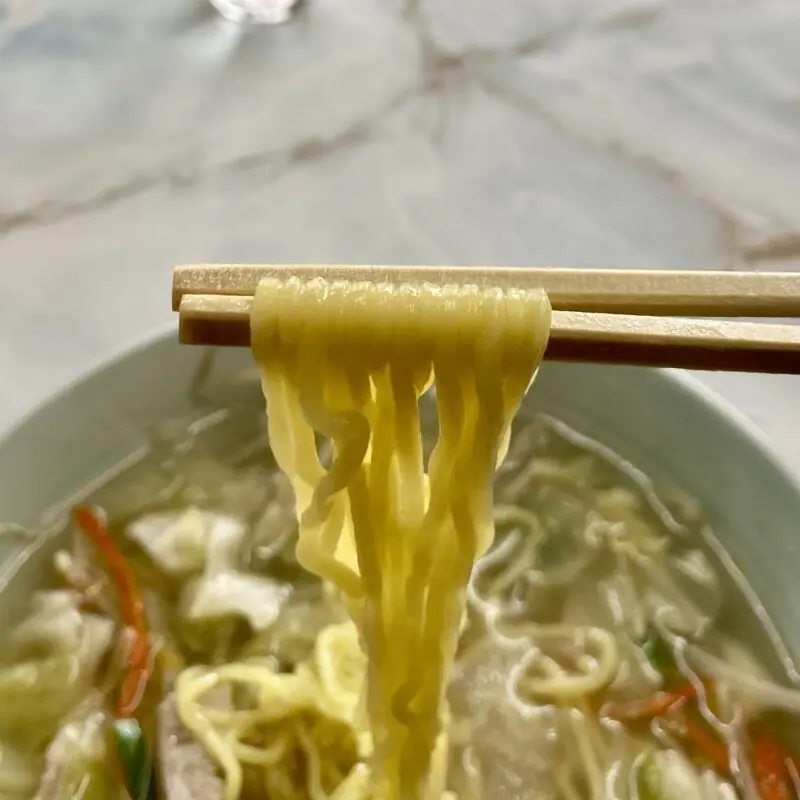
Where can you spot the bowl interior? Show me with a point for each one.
(662, 422)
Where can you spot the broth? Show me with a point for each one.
(593, 577)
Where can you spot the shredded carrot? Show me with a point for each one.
(700, 742)
(138, 656)
(654, 706)
(771, 769)
(772, 766)
(704, 744)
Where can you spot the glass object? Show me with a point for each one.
(269, 12)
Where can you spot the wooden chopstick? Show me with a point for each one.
(575, 336)
(660, 293)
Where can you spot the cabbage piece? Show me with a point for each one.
(37, 692)
(56, 623)
(78, 568)
(185, 542)
(669, 775)
(222, 591)
(229, 593)
(294, 635)
(36, 695)
(77, 762)
(57, 626)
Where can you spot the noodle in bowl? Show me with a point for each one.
(550, 653)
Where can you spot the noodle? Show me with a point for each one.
(403, 539)
(283, 702)
(189, 690)
(349, 361)
(554, 684)
(324, 689)
(565, 643)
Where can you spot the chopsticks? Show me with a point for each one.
(663, 293)
(601, 316)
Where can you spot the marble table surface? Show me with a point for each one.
(137, 134)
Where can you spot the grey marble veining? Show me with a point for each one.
(137, 135)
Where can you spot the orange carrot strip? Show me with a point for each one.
(771, 769)
(139, 661)
(706, 745)
(655, 706)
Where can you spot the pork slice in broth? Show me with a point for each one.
(187, 771)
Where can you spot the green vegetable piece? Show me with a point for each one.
(657, 778)
(135, 758)
(670, 775)
(650, 783)
(658, 652)
(648, 788)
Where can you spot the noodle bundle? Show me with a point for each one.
(348, 362)
(366, 623)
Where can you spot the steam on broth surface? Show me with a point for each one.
(594, 657)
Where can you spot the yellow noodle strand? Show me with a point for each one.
(349, 361)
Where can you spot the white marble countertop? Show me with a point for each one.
(137, 134)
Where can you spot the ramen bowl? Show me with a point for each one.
(665, 423)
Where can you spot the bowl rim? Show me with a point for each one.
(94, 368)
(706, 397)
